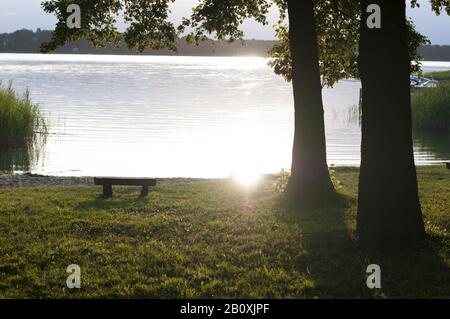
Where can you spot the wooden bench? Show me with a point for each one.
(108, 182)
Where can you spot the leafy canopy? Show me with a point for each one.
(149, 26)
(338, 27)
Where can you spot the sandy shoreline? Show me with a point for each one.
(30, 180)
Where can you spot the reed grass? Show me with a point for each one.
(21, 120)
(431, 107)
(439, 75)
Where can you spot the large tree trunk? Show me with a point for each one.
(389, 212)
(310, 184)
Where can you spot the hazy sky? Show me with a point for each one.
(18, 14)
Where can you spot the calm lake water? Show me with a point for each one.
(179, 116)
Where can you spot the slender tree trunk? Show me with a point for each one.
(389, 212)
(310, 184)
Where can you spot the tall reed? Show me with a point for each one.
(21, 121)
(439, 75)
(431, 107)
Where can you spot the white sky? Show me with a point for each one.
(19, 14)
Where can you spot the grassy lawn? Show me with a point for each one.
(210, 239)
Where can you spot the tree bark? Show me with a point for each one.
(389, 212)
(310, 184)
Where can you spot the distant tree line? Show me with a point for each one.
(435, 52)
(27, 41)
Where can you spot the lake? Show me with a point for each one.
(168, 116)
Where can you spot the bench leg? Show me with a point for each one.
(107, 190)
(144, 191)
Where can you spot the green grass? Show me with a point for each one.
(210, 239)
(20, 119)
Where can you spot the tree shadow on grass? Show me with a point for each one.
(417, 272)
(337, 264)
(333, 261)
